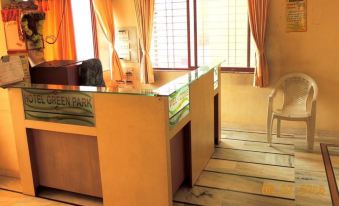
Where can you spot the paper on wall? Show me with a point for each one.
(11, 71)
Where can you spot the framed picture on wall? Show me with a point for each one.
(296, 15)
(128, 44)
(13, 37)
(32, 29)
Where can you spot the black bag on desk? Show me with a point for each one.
(91, 73)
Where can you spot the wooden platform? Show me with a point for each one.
(247, 172)
(244, 170)
(70, 198)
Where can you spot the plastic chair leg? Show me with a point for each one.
(310, 133)
(278, 127)
(269, 130)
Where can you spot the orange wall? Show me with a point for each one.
(315, 52)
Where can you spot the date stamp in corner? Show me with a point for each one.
(304, 189)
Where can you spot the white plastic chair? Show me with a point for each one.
(297, 89)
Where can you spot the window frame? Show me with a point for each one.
(191, 67)
(94, 30)
(189, 60)
(247, 69)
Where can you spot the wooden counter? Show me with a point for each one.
(125, 155)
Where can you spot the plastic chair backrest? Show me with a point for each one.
(297, 88)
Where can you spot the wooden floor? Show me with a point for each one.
(11, 194)
(10, 183)
(244, 170)
(8, 198)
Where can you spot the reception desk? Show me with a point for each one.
(127, 145)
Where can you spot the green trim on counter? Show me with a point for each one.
(178, 100)
(179, 116)
(60, 118)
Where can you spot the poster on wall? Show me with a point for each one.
(13, 40)
(296, 15)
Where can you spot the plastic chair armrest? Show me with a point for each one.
(270, 102)
(313, 105)
(314, 99)
(272, 95)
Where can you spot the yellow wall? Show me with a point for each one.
(315, 52)
(8, 156)
(124, 12)
(3, 49)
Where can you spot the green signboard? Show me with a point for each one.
(179, 105)
(178, 100)
(179, 116)
(67, 107)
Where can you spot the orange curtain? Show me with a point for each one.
(64, 48)
(42, 5)
(258, 12)
(145, 11)
(104, 12)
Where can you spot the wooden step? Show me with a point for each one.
(256, 137)
(256, 146)
(249, 185)
(251, 169)
(254, 157)
(182, 204)
(69, 197)
(216, 197)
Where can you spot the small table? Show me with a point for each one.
(61, 72)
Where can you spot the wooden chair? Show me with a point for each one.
(297, 89)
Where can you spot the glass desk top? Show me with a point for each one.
(142, 89)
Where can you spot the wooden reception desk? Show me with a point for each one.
(129, 146)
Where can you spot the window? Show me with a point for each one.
(170, 34)
(83, 32)
(222, 32)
